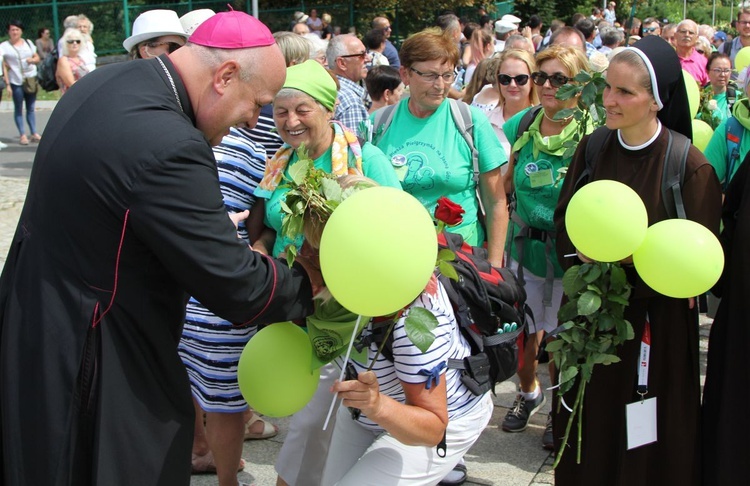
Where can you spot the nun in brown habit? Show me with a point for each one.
(646, 102)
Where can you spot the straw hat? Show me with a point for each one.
(153, 24)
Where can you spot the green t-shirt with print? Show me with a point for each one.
(374, 164)
(432, 159)
(537, 189)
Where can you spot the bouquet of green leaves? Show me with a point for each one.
(593, 326)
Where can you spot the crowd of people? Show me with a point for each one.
(129, 310)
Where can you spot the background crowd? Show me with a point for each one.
(508, 172)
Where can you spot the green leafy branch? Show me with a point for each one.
(593, 327)
(589, 109)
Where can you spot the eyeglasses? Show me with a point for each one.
(387, 28)
(686, 32)
(721, 71)
(360, 55)
(73, 41)
(432, 77)
(171, 46)
(743, 22)
(649, 29)
(555, 80)
(520, 80)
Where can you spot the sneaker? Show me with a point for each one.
(548, 438)
(3, 145)
(517, 418)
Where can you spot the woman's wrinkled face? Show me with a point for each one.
(547, 92)
(301, 120)
(627, 102)
(719, 72)
(429, 83)
(514, 91)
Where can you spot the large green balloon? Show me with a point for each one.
(679, 258)
(702, 133)
(693, 93)
(742, 59)
(378, 251)
(274, 370)
(606, 220)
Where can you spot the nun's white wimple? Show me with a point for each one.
(651, 72)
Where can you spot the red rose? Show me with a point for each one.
(449, 212)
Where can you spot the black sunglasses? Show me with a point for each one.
(556, 80)
(74, 41)
(171, 46)
(520, 80)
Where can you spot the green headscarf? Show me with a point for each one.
(312, 78)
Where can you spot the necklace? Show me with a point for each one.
(564, 121)
(171, 81)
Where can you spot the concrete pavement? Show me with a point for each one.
(498, 458)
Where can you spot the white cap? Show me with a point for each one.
(153, 24)
(511, 18)
(503, 26)
(191, 20)
(300, 17)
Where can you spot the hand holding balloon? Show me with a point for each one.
(362, 393)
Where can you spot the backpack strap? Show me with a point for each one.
(594, 146)
(673, 173)
(731, 97)
(461, 114)
(383, 118)
(527, 119)
(734, 135)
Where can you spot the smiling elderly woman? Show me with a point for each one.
(303, 112)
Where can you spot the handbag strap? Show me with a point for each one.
(18, 53)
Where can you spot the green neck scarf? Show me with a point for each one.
(742, 113)
(330, 330)
(552, 145)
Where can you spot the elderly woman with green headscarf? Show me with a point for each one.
(303, 112)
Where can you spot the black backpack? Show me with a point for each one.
(46, 72)
(484, 299)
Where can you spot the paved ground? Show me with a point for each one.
(498, 458)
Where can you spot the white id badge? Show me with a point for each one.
(641, 422)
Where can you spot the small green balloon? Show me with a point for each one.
(606, 220)
(274, 370)
(693, 93)
(378, 251)
(742, 59)
(702, 133)
(679, 258)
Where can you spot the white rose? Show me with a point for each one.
(713, 105)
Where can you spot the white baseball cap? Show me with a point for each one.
(503, 26)
(153, 24)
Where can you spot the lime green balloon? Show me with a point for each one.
(378, 251)
(274, 372)
(679, 258)
(606, 220)
(702, 133)
(742, 59)
(693, 93)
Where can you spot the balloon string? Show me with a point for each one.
(343, 370)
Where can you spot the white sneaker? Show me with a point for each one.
(3, 145)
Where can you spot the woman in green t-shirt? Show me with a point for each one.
(535, 163)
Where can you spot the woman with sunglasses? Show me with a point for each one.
(536, 163)
(646, 104)
(71, 66)
(516, 91)
(155, 32)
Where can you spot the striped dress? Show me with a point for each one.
(210, 347)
